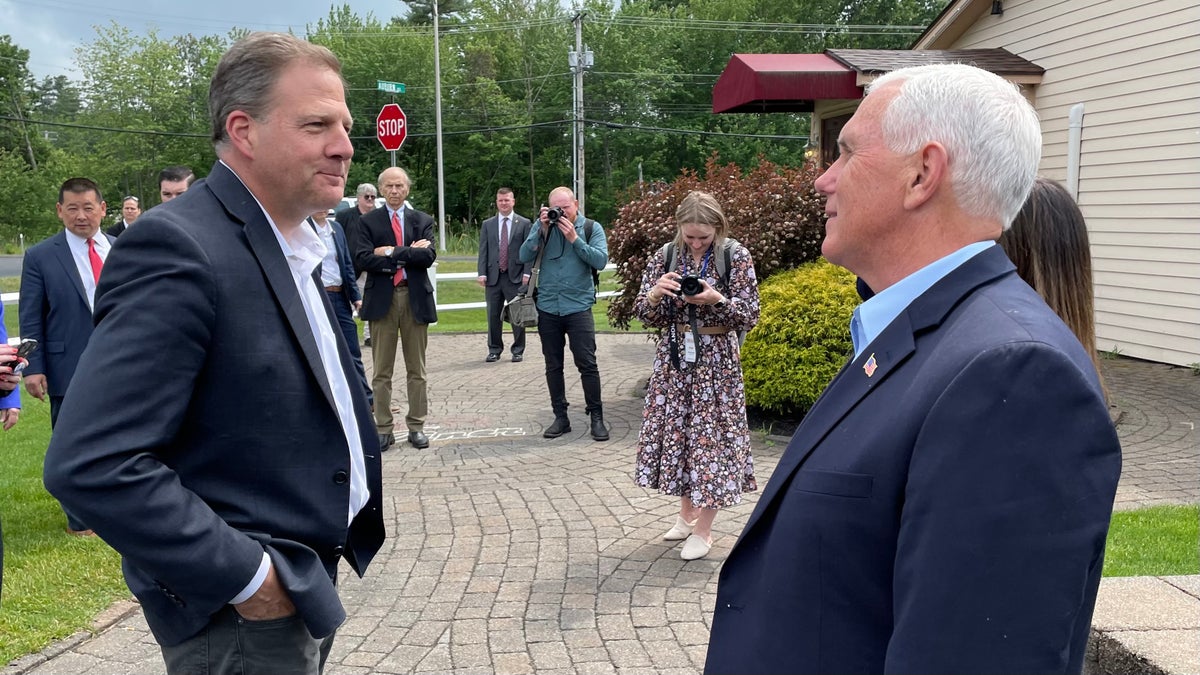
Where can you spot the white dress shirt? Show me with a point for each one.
(83, 262)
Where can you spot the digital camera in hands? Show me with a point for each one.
(690, 284)
(553, 214)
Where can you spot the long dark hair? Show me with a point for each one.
(1048, 242)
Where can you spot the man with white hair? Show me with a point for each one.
(943, 507)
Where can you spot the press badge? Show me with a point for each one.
(689, 347)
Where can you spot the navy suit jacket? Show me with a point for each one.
(345, 262)
(489, 249)
(943, 506)
(54, 311)
(374, 230)
(227, 441)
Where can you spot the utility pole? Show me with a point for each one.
(437, 96)
(580, 60)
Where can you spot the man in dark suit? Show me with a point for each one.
(337, 276)
(173, 181)
(501, 272)
(241, 465)
(395, 249)
(58, 285)
(943, 506)
(130, 210)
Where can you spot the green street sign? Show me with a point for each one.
(390, 87)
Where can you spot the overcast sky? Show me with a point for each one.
(52, 29)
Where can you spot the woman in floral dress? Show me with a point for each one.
(694, 441)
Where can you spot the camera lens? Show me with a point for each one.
(553, 214)
(690, 285)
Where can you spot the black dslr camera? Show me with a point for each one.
(690, 285)
(553, 214)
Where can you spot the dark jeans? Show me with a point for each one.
(581, 329)
(496, 296)
(231, 645)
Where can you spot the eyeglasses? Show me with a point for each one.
(366, 196)
(130, 198)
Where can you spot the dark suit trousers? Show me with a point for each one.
(345, 317)
(56, 402)
(231, 645)
(496, 296)
(580, 328)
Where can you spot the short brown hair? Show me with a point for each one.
(246, 75)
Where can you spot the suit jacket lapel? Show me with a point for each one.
(892, 348)
(62, 251)
(242, 206)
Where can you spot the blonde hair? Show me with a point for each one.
(701, 208)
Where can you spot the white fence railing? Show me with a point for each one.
(12, 298)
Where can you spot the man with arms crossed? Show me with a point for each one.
(241, 465)
(395, 248)
(501, 272)
(943, 506)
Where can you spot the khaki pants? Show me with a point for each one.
(399, 325)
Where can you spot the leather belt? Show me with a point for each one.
(333, 289)
(705, 330)
(403, 282)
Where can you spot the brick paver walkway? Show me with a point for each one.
(510, 553)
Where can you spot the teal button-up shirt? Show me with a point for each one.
(565, 280)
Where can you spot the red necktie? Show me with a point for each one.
(95, 260)
(504, 245)
(399, 232)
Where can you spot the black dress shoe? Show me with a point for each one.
(517, 358)
(418, 439)
(367, 341)
(492, 358)
(386, 441)
(561, 426)
(599, 433)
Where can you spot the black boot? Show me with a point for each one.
(599, 433)
(561, 426)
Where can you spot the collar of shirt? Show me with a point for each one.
(304, 245)
(873, 316)
(79, 245)
(392, 211)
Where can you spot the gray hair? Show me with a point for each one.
(364, 188)
(990, 132)
(246, 75)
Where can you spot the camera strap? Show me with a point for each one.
(673, 337)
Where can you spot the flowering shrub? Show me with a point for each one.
(772, 210)
(802, 337)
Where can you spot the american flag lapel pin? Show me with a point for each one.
(870, 366)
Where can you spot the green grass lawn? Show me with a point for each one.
(1156, 541)
(54, 583)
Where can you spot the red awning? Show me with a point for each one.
(782, 83)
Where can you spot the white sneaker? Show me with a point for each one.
(680, 531)
(695, 547)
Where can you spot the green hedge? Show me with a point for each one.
(802, 337)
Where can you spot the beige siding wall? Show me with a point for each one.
(1136, 68)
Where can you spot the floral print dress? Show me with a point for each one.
(694, 439)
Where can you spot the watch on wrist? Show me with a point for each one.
(722, 302)
(390, 251)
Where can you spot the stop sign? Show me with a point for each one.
(391, 127)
